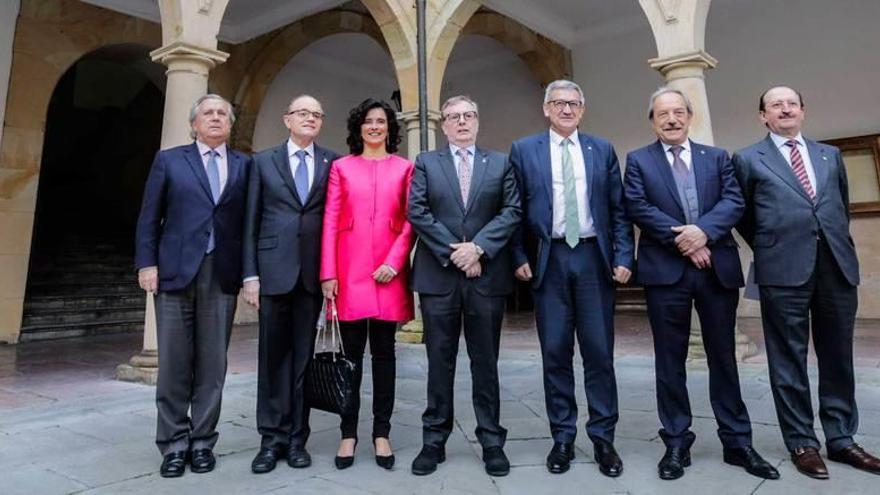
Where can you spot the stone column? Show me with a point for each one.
(686, 73)
(412, 332)
(188, 69)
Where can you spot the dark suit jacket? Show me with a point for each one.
(178, 212)
(781, 223)
(653, 204)
(439, 217)
(530, 157)
(282, 236)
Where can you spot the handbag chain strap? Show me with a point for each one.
(334, 330)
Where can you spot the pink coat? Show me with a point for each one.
(365, 226)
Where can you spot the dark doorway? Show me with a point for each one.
(102, 129)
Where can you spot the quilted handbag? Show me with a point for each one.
(330, 376)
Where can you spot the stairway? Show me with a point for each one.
(82, 287)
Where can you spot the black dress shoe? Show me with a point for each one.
(266, 459)
(496, 462)
(298, 457)
(345, 461)
(202, 461)
(607, 459)
(427, 460)
(754, 464)
(173, 465)
(672, 464)
(560, 457)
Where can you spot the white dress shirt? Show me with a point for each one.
(580, 176)
(220, 159)
(292, 148)
(780, 141)
(685, 153)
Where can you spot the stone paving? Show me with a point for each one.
(67, 427)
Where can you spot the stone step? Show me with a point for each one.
(48, 288)
(51, 332)
(74, 317)
(78, 275)
(97, 301)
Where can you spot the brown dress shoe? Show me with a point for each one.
(855, 456)
(808, 461)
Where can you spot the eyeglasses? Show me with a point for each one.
(559, 105)
(455, 117)
(302, 113)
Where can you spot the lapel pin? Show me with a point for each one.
(702, 152)
(824, 157)
(484, 160)
(325, 160)
(589, 147)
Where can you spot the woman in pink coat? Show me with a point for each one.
(365, 261)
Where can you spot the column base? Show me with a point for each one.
(411, 333)
(745, 348)
(141, 368)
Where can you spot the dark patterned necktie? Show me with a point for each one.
(800, 171)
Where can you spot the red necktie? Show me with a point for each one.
(800, 171)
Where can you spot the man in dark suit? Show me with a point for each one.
(684, 198)
(188, 253)
(464, 205)
(582, 242)
(797, 223)
(282, 244)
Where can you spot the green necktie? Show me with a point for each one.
(572, 223)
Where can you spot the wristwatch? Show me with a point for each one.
(479, 250)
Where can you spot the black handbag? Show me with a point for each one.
(330, 376)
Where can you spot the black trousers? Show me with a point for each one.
(669, 310)
(193, 326)
(354, 339)
(828, 303)
(287, 340)
(443, 316)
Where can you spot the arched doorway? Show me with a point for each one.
(103, 127)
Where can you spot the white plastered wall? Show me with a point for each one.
(8, 17)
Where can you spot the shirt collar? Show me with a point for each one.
(780, 141)
(556, 138)
(204, 149)
(292, 148)
(686, 145)
(472, 149)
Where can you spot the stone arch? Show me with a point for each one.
(397, 21)
(546, 59)
(283, 45)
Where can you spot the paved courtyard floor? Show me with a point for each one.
(66, 426)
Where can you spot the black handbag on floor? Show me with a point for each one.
(330, 376)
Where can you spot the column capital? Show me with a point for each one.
(694, 60)
(410, 118)
(181, 50)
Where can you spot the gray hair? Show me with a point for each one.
(662, 90)
(194, 110)
(304, 95)
(562, 84)
(458, 99)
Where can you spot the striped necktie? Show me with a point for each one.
(800, 171)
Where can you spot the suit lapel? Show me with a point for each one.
(589, 166)
(699, 162)
(478, 172)
(322, 170)
(233, 168)
(774, 160)
(665, 171)
(198, 169)
(820, 165)
(282, 164)
(448, 166)
(545, 165)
